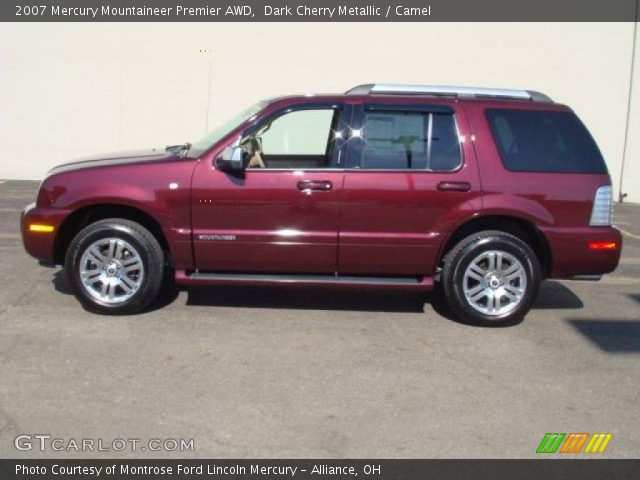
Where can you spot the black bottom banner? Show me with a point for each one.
(546, 469)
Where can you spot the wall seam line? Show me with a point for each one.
(621, 194)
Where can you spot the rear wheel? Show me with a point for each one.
(491, 278)
(115, 266)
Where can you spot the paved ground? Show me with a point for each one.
(279, 373)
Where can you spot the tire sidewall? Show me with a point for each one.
(500, 243)
(91, 234)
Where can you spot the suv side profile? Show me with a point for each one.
(479, 192)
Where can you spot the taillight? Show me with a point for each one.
(603, 245)
(602, 206)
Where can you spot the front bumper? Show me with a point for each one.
(40, 244)
(571, 255)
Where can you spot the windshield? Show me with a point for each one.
(215, 135)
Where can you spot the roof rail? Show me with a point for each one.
(446, 91)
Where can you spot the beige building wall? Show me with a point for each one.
(68, 90)
(630, 179)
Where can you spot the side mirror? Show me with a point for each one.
(231, 160)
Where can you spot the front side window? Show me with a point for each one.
(409, 141)
(300, 139)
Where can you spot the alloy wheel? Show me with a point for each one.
(111, 270)
(494, 283)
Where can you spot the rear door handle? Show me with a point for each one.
(454, 186)
(315, 185)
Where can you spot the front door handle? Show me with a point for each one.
(315, 185)
(454, 186)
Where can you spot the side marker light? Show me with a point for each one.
(34, 227)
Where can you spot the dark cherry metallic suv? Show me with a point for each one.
(481, 192)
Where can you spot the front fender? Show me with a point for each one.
(162, 195)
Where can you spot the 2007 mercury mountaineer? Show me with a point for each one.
(482, 192)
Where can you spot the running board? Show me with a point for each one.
(587, 278)
(212, 278)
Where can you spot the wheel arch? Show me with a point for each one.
(518, 226)
(83, 216)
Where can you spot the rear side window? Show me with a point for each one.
(544, 141)
(409, 140)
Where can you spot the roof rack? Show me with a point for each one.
(446, 91)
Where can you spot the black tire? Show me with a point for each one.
(146, 246)
(471, 248)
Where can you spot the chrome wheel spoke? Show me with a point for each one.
(512, 276)
(513, 268)
(112, 249)
(491, 257)
(477, 269)
(118, 252)
(491, 302)
(498, 262)
(475, 290)
(510, 295)
(89, 277)
(475, 276)
(479, 296)
(132, 262)
(124, 286)
(124, 280)
(515, 291)
(476, 272)
(95, 256)
(133, 268)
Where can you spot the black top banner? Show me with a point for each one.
(318, 10)
(320, 469)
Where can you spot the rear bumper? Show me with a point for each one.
(40, 244)
(571, 255)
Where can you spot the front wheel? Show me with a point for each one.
(491, 278)
(115, 266)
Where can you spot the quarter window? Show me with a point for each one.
(544, 141)
(409, 140)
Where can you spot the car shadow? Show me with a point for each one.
(635, 296)
(60, 283)
(306, 298)
(611, 336)
(553, 295)
(556, 296)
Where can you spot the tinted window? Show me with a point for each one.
(542, 141)
(409, 140)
